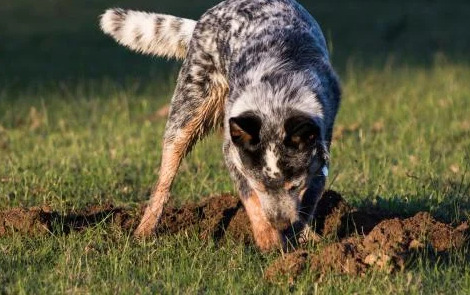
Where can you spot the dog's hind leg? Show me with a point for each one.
(196, 107)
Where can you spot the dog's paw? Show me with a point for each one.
(146, 227)
(307, 235)
(143, 232)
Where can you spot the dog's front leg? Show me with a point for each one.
(196, 107)
(266, 236)
(174, 150)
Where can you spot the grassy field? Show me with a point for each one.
(78, 127)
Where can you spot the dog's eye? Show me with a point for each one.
(301, 132)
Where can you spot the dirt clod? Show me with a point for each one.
(27, 221)
(290, 265)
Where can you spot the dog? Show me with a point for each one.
(261, 69)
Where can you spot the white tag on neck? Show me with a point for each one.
(324, 170)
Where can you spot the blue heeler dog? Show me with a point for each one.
(261, 69)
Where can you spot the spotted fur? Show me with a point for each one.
(261, 69)
(149, 33)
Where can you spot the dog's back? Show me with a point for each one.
(274, 41)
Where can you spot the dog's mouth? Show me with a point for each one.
(282, 203)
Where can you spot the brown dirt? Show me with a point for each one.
(290, 266)
(41, 220)
(213, 218)
(386, 247)
(354, 240)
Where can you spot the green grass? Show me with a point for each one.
(77, 127)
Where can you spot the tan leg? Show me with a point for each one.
(266, 236)
(180, 136)
(173, 153)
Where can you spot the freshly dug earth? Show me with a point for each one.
(359, 239)
(366, 240)
(214, 217)
(387, 247)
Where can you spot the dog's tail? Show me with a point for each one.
(149, 33)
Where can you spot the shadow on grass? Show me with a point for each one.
(447, 200)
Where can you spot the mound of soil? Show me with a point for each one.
(359, 240)
(41, 220)
(386, 247)
(213, 218)
(336, 219)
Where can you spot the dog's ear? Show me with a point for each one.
(245, 129)
(301, 132)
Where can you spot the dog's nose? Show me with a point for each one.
(280, 220)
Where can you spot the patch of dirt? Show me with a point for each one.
(28, 221)
(290, 266)
(354, 240)
(41, 220)
(336, 219)
(386, 247)
(213, 218)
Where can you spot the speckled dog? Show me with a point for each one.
(261, 68)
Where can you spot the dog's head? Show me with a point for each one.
(278, 120)
(280, 152)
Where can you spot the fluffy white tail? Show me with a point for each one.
(149, 33)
